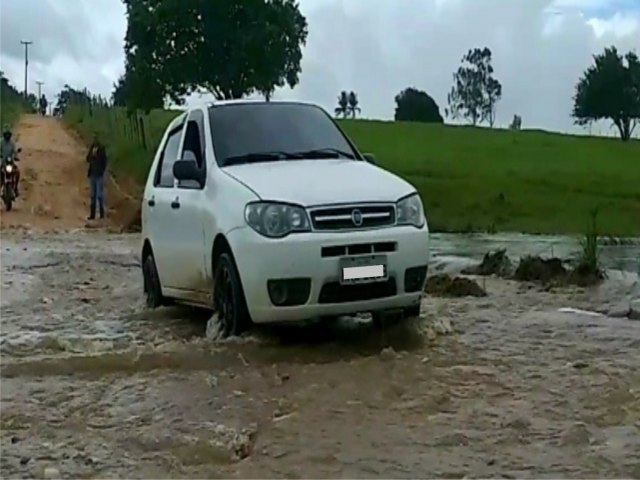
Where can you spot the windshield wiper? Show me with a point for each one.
(326, 153)
(260, 157)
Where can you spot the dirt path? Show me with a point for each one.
(54, 187)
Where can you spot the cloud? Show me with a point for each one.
(75, 42)
(375, 47)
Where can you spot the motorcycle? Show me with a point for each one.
(9, 181)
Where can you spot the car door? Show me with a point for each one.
(160, 211)
(189, 213)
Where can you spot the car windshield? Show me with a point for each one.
(270, 131)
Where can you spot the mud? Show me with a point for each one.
(493, 263)
(520, 383)
(95, 386)
(443, 285)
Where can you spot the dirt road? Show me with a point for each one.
(55, 190)
(95, 386)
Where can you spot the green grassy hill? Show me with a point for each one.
(470, 179)
(12, 103)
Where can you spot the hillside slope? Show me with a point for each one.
(54, 187)
(471, 179)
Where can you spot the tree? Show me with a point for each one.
(353, 102)
(231, 48)
(475, 92)
(71, 96)
(414, 105)
(135, 89)
(343, 104)
(32, 100)
(610, 89)
(119, 94)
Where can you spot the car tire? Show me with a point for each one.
(228, 298)
(152, 286)
(412, 311)
(383, 320)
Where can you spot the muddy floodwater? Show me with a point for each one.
(507, 385)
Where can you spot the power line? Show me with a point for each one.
(26, 44)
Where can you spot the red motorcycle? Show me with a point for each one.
(9, 181)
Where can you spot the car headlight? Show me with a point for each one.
(410, 211)
(276, 220)
(9, 168)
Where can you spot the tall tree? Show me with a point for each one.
(119, 94)
(231, 48)
(413, 105)
(69, 95)
(354, 103)
(475, 92)
(343, 104)
(610, 89)
(137, 89)
(32, 100)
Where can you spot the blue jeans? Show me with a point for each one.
(96, 187)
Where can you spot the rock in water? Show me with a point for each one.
(493, 263)
(443, 285)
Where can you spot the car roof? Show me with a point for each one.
(245, 101)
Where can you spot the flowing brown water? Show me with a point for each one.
(94, 386)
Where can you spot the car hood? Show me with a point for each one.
(320, 182)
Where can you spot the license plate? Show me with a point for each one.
(367, 269)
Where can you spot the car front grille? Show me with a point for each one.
(353, 217)
(333, 292)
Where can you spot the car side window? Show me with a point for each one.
(164, 173)
(194, 142)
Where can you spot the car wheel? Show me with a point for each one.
(228, 298)
(385, 320)
(152, 287)
(412, 312)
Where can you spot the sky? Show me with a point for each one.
(374, 47)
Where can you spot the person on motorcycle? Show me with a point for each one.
(9, 150)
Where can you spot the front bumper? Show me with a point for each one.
(302, 256)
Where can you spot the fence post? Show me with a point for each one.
(142, 133)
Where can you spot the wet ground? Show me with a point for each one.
(94, 386)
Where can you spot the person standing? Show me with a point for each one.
(97, 159)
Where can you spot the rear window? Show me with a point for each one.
(251, 128)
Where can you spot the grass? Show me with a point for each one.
(12, 104)
(470, 179)
(590, 259)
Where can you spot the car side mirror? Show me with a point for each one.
(187, 169)
(370, 157)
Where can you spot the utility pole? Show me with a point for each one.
(39, 88)
(26, 64)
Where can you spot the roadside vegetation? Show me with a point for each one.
(470, 178)
(12, 103)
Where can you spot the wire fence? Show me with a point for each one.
(134, 127)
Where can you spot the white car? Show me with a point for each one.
(267, 212)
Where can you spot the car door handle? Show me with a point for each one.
(151, 202)
(176, 203)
